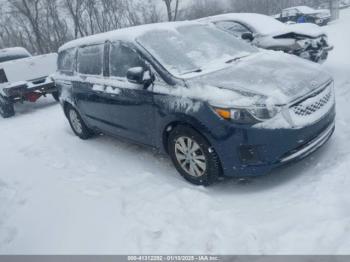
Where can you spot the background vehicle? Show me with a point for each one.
(24, 78)
(305, 14)
(308, 41)
(204, 97)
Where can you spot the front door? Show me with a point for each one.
(131, 109)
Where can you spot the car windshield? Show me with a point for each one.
(194, 48)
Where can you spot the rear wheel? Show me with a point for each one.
(6, 108)
(77, 124)
(193, 156)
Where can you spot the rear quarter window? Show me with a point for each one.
(90, 60)
(66, 60)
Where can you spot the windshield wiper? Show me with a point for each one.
(193, 71)
(235, 59)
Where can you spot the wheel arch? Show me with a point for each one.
(191, 123)
(65, 106)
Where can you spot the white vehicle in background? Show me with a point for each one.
(308, 41)
(24, 78)
(305, 14)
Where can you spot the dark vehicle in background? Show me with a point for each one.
(305, 14)
(24, 78)
(217, 105)
(308, 41)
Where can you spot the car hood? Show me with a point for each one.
(280, 77)
(305, 29)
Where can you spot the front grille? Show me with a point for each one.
(304, 109)
(314, 103)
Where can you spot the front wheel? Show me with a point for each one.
(193, 156)
(77, 124)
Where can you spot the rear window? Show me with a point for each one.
(66, 60)
(12, 57)
(90, 59)
(13, 53)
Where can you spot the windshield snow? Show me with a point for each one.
(194, 48)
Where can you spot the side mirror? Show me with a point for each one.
(140, 76)
(248, 36)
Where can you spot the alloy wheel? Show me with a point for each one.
(190, 156)
(76, 123)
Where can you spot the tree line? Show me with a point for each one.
(42, 26)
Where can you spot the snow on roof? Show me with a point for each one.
(304, 9)
(14, 51)
(259, 23)
(126, 34)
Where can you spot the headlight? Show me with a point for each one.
(247, 115)
(245, 108)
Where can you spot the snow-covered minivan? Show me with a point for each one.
(216, 105)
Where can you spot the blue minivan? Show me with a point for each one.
(217, 105)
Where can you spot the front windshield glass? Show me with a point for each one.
(194, 48)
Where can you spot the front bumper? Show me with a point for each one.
(308, 148)
(256, 152)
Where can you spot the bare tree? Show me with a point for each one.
(172, 11)
(30, 10)
(75, 10)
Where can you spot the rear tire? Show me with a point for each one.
(193, 156)
(77, 124)
(6, 108)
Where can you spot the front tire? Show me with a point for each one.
(193, 156)
(77, 124)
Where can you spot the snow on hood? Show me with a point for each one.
(279, 77)
(307, 29)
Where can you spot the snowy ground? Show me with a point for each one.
(59, 194)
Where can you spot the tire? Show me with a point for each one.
(77, 124)
(56, 96)
(6, 108)
(206, 166)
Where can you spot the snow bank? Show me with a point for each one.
(104, 196)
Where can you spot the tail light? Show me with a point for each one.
(32, 97)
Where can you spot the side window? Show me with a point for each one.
(66, 60)
(234, 28)
(122, 58)
(90, 59)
